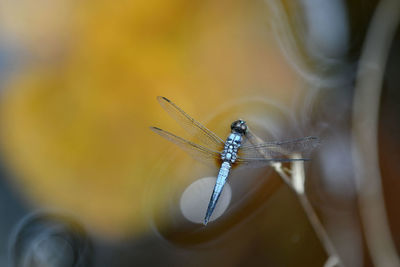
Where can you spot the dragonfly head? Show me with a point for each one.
(239, 126)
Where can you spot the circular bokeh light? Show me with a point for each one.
(195, 198)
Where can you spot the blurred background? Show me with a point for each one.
(84, 182)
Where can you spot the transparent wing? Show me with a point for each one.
(198, 152)
(194, 128)
(262, 162)
(279, 150)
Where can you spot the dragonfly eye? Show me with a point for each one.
(239, 126)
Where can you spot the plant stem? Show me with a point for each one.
(296, 183)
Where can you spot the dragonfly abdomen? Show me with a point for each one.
(219, 185)
(228, 156)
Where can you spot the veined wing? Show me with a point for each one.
(193, 127)
(198, 152)
(254, 162)
(263, 162)
(280, 150)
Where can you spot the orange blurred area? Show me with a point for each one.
(75, 117)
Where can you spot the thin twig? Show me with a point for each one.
(295, 180)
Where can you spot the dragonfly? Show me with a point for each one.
(237, 150)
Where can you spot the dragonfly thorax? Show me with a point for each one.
(232, 144)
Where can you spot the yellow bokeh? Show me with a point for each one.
(75, 118)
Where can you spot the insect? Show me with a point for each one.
(235, 151)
